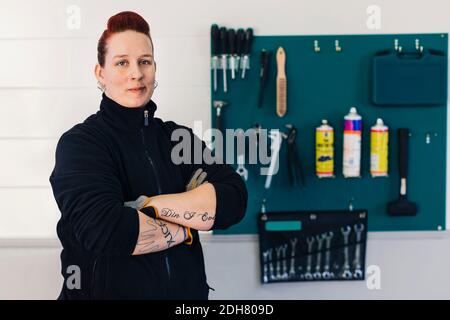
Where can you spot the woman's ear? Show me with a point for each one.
(98, 71)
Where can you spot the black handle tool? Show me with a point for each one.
(240, 40)
(247, 50)
(218, 105)
(295, 169)
(224, 51)
(263, 75)
(402, 206)
(215, 53)
(232, 51)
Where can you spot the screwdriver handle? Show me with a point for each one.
(240, 39)
(223, 40)
(403, 136)
(248, 40)
(218, 122)
(265, 58)
(215, 39)
(231, 41)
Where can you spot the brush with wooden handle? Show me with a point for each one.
(281, 82)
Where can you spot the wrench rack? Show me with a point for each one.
(312, 246)
(323, 81)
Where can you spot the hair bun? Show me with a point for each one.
(127, 20)
(122, 21)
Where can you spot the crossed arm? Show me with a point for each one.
(89, 195)
(194, 209)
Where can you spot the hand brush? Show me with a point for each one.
(281, 82)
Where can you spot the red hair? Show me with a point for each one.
(123, 21)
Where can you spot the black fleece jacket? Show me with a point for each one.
(114, 156)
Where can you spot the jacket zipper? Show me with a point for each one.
(149, 158)
(91, 291)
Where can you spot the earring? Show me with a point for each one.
(155, 85)
(101, 86)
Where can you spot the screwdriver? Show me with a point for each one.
(247, 49)
(231, 36)
(224, 51)
(263, 75)
(215, 52)
(240, 39)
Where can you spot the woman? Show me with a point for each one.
(129, 214)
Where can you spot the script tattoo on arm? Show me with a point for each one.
(156, 235)
(195, 208)
(147, 239)
(188, 215)
(206, 217)
(166, 232)
(166, 212)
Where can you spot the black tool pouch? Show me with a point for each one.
(312, 245)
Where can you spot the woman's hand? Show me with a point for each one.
(157, 235)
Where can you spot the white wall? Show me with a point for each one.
(47, 85)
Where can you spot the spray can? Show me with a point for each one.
(351, 164)
(325, 150)
(379, 139)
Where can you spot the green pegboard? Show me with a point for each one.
(325, 85)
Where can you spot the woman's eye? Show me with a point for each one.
(146, 62)
(121, 63)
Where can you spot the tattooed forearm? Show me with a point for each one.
(193, 219)
(189, 215)
(166, 212)
(207, 217)
(147, 242)
(166, 232)
(195, 208)
(170, 213)
(156, 235)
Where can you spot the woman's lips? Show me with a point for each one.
(137, 90)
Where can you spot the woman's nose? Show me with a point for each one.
(135, 71)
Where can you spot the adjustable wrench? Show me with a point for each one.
(275, 145)
(241, 170)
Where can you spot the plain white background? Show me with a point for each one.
(47, 85)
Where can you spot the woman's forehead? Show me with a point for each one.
(130, 43)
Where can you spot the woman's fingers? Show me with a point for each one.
(201, 178)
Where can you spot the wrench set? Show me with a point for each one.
(329, 245)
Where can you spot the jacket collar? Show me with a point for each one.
(124, 118)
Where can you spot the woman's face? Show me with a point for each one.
(128, 65)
